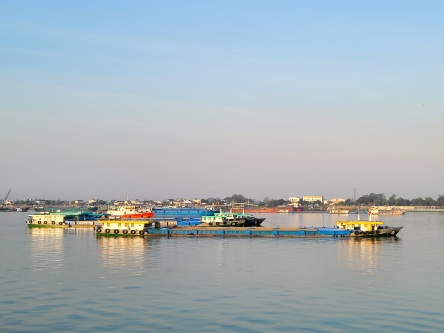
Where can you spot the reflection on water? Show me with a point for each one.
(60, 280)
(362, 254)
(46, 248)
(122, 252)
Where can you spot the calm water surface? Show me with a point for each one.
(54, 280)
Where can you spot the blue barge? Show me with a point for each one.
(193, 227)
(248, 232)
(182, 212)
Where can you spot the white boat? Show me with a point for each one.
(120, 210)
(222, 219)
(386, 211)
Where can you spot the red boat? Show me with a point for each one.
(137, 215)
(275, 210)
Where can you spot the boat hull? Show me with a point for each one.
(360, 228)
(199, 231)
(384, 232)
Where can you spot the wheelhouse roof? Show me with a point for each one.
(360, 222)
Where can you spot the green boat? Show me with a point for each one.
(231, 219)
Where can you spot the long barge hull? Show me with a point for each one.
(62, 225)
(237, 232)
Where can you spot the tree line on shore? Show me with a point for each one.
(372, 199)
(380, 200)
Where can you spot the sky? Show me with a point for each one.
(198, 99)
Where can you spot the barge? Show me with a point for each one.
(116, 226)
(249, 232)
(59, 220)
(173, 228)
(192, 227)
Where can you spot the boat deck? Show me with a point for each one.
(244, 232)
(64, 225)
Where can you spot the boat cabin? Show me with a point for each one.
(359, 225)
(122, 210)
(47, 218)
(117, 225)
(222, 219)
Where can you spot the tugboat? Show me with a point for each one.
(369, 228)
(386, 211)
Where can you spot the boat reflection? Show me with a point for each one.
(120, 252)
(46, 248)
(363, 254)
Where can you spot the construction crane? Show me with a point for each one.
(6, 198)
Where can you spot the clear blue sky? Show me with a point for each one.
(160, 99)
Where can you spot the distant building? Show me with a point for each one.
(335, 201)
(313, 198)
(295, 201)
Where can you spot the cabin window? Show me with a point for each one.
(132, 224)
(119, 225)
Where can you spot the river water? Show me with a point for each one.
(54, 280)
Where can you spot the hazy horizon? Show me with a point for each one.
(215, 197)
(195, 99)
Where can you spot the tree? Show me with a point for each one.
(392, 200)
(429, 201)
(418, 202)
(402, 202)
(237, 198)
(380, 200)
(372, 199)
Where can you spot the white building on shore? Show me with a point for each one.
(295, 201)
(313, 198)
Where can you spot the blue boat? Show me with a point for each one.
(183, 212)
(188, 221)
